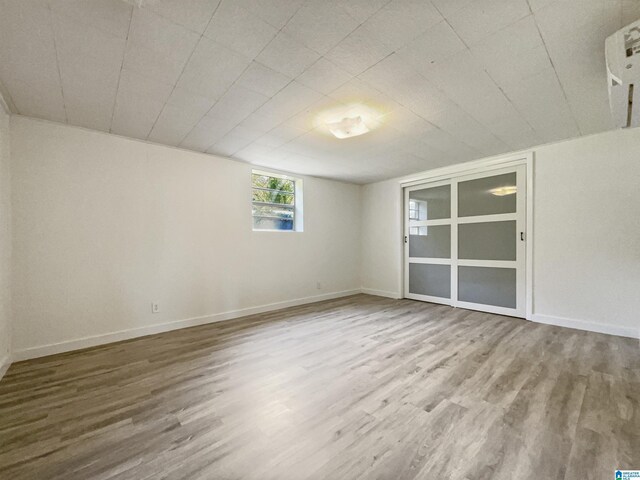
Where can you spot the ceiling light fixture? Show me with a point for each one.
(348, 127)
(347, 120)
(503, 191)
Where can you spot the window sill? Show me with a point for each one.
(275, 231)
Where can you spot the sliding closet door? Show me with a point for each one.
(489, 271)
(428, 242)
(465, 241)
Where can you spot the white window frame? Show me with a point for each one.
(298, 219)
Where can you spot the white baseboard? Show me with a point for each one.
(94, 340)
(381, 293)
(588, 326)
(5, 363)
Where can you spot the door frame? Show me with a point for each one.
(478, 167)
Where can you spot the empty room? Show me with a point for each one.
(319, 239)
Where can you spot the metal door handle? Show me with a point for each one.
(522, 236)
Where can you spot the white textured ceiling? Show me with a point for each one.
(455, 79)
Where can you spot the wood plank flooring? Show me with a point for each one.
(361, 387)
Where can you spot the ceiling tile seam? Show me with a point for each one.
(247, 116)
(446, 20)
(315, 129)
(427, 81)
(281, 124)
(555, 72)
(285, 86)
(511, 102)
(504, 27)
(412, 38)
(522, 117)
(243, 118)
(466, 113)
(279, 29)
(350, 32)
(434, 125)
(55, 49)
(172, 21)
(323, 56)
(124, 53)
(75, 20)
(278, 126)
(184, 67)
(222, 96)
(330, 48)
(288, 141)
(366, 19)
(435, 87)
(240, 76)
(311, 88)
(468, 49)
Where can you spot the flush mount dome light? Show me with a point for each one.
(346, 120)
(348, 127)
(503, 191)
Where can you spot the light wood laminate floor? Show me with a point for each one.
(361, 387)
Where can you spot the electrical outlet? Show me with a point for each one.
(155, 308)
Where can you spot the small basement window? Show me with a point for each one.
(276, 201)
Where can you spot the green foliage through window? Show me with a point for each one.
(273, 202)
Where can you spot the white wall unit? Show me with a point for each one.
(105, 225)
(586, 239)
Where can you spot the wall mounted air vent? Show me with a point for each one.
(622, 51)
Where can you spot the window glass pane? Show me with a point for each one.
(273, 196)
(430, 242)
(418, 230)
(274, 183)
(487, 286)
(487, 196)
(268, 217)
(273, 200)
(487, 241)
(275, 211)
(430, 203)
(432, 280)
(268, 223)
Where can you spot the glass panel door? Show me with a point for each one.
(490, 254)
(428, 242)
(465, 241)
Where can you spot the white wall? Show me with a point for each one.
(104, 225)
(5, 243)
(586, 233)
(382, 238)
